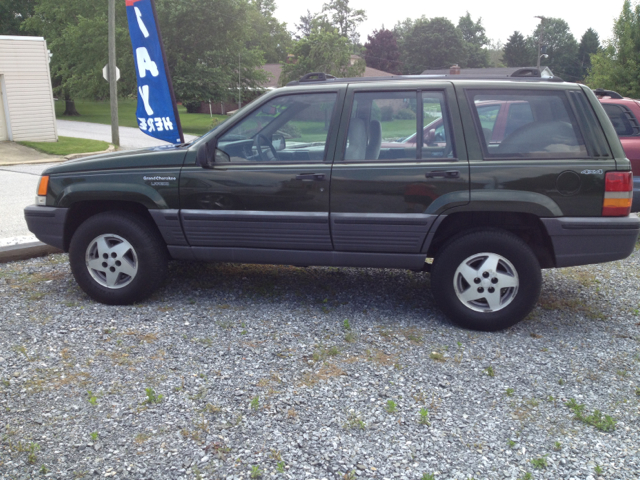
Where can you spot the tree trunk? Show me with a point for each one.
(70, 107)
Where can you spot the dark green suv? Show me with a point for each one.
(511, 176)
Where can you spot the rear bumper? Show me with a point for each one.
(582, 241)
(47, 224)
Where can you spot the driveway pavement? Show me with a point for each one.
(17, 190)
(130, 138)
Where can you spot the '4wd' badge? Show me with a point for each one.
(592, 172)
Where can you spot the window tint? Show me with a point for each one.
(288, 128)
(526, 124)
(384, 126)
(623, 120)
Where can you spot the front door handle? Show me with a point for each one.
(443, 174)
(310, 177)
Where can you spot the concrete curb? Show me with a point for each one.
(72, 156)
(25, 251)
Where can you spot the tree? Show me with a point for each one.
(76, 34)
(495, 51)
(303, 29)
(474, 38)
(323, 50)
(518, 52)
(13, 13)
(432, 43)
(617, 66)
(345, 18)
(381, 51)
(209, 48)
(266, 32)
(562, 48)
(589, 44)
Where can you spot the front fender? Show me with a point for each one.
(153, 188)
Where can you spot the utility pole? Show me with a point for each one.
(113, 86)
(540, 39)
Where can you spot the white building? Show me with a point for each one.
(26, 98)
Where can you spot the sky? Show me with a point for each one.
(500, 18)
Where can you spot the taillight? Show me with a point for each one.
(618, 194)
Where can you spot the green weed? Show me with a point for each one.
(596, 419)
(489, 371)
(540, 462)
(424, 417)
(255, 403)
(256, 472)
(152, 397)
(391, 406)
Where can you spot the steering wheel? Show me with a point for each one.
(264, 154)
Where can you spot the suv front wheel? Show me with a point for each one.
(118, 258)
(486, 280)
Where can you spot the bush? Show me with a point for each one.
(386, 113)
(192, 106)
(405, 114)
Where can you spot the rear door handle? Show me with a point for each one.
(443, 173)
(310, 177)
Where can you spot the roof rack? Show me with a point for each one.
(601, 92)
(315, 77)
(523, 75)
(527, 72)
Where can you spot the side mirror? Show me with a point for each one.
(208, 155)
(278, 142)
(203, 156)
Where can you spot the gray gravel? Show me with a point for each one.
(255, 367)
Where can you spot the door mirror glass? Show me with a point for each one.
(278, 142)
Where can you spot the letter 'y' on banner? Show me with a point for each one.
(157, 111)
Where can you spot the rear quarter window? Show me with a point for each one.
(623, 120)
(527, 124)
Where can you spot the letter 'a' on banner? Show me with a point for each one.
(157, 111)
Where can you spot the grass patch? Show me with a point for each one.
(596, 419)
(100, 112)
(67, 146)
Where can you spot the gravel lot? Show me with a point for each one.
(317, 373)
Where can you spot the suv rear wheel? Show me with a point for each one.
(486, 280)
(117, 258)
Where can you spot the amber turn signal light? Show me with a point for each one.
(44, 185)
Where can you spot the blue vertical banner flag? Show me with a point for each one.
(157, 112)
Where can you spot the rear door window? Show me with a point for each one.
(623, 120)
(398, 126)
(527, 124)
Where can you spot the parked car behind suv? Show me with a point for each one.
(624, 114)
(515, 175)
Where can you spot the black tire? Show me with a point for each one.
(498, 300)
(136, 258)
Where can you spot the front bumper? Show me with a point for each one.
(47, 224)
(586, 240)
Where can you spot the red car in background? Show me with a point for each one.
(624, 114)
